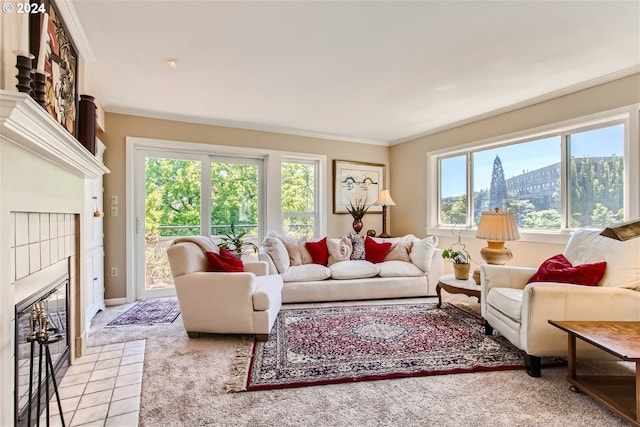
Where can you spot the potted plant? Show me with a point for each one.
(235, 243)
(461, 262)
(357, 211)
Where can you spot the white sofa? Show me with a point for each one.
(520, 311)
(344, 280)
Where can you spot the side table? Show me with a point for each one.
(621, 394)
(449, 283)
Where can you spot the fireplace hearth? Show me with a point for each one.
(51, 304)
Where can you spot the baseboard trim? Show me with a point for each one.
(115, 301)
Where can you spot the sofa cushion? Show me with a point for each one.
(507, 301)
(357, 245)
(398, 269)
(225, 261)
(274, 246)
(306, 273)
(318, 251)
(298, 253)
(374, 251)
(559, 269)
(422, 252)
(353, 269)
(339, 249)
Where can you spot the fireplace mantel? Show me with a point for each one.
(25, 123)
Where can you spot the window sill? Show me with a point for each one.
(534, 236)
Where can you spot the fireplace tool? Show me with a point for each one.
(41, 333)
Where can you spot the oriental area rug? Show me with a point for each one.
(149, 312)
(327, 345)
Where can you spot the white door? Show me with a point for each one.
(185, 194)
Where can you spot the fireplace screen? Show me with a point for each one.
(53, 301)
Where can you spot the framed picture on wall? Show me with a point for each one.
(57, 55)
(356, 181)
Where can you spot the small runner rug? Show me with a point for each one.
(149, 312)
(326, 345)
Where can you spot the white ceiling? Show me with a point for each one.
(370, 71)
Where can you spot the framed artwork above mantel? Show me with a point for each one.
(60, 64)
(357, 181)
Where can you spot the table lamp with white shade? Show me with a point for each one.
(384, 200)
(497, 227)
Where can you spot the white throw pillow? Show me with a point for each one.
(306, 273)
(273, 245)
(339, 249)
(422, 252)
(353, 269)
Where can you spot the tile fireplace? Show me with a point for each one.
(43, 175)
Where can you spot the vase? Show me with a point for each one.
(357, 225)
(461, 271)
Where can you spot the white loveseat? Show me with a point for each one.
(520, 311)
(344, 280)
(221, 302)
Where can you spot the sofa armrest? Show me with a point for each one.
(259, 268)
(546, 301)
(228, 288)
(502, 276)
(264, 256)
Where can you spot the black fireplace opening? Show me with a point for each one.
(30, 360)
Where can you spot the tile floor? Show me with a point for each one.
(102, 388)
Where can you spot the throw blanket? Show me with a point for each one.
(205, 243)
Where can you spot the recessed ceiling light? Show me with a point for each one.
(172, 62)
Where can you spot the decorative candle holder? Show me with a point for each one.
(24, 66)
(39, 80)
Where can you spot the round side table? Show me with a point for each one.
(449, 283)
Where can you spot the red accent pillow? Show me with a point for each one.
(559, 269)
(318, 250)
(374, 251)
(225, 262)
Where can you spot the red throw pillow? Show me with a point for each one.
(559, 269)
(318, 250)
(374, 251)
(225, 262)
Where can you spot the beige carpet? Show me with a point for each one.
(183, 385)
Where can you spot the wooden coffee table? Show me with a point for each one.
(449, 283)
(621, 394)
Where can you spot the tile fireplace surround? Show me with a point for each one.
(42, 210)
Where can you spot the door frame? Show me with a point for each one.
(137, 149)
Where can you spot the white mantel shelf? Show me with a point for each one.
(25, 123)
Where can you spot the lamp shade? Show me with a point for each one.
(497, 226)
(384, 199)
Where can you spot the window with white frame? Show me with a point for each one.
(298, 198)
(569, 177)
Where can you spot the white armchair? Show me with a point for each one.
(520, 311)
(220, 302)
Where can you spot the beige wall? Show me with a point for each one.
(408, 160)
(120, 126)
(406, 173)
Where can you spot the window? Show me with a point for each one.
(298, 198)
(453, 190)
(577, 175)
